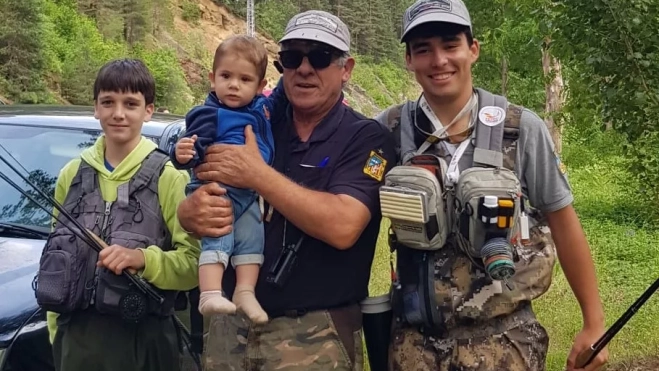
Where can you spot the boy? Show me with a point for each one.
(237, 80)
(99, 186)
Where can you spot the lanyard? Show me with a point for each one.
(453, 172)
(440, 129)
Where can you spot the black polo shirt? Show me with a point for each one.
(346, 153)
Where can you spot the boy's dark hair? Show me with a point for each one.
(126, 75)
(446, 31)
(248, 48)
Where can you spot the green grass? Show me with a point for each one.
(626, 254)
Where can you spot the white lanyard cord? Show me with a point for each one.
(441, 131)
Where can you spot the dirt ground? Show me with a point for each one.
(645, 364)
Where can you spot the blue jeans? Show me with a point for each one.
(245, 243)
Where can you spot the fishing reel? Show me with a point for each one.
(133, 306)
(118, 296)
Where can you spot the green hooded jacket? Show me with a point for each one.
(172, 270)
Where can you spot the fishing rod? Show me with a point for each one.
(89, 238)
(187, 340)
(587, 355)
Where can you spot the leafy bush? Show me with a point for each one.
(191, 12)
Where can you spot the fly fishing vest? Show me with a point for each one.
(469, 247)
(69, 280)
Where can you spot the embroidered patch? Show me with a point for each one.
(492, 115)
(439, 5)
(375, 166)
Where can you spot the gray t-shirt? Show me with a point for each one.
(537, 165)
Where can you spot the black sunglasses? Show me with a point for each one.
(318, 58)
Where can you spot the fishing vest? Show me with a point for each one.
(438, 283)
(68, 279)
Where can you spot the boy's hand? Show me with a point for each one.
(185, 149)
(117, 258)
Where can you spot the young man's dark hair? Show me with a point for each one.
(126, 76)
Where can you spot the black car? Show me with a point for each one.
(42, 139)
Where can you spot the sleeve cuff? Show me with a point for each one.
(150, 268)
(565, 201)
(357, 194)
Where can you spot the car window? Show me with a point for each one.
(172, 136)
(41, 153)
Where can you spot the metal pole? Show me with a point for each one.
(250, 17)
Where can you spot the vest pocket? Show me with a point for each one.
(53, 283)
(60, 281)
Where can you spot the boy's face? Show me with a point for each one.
(442, 66)
(122, 115)
(236, 81)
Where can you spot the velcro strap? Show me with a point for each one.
(149, 168)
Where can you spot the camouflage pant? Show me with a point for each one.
(522, 348)
(322, 340)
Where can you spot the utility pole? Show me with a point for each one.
(250, 17)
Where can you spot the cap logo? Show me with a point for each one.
(441, 5)
(318, 20)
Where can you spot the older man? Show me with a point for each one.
(321, 195)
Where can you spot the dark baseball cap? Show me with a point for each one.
(320, 26)
(425, 11)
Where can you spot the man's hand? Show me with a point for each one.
(583, 341)
(185, 149)
(205, 213)
(236, 165)
(117, 258)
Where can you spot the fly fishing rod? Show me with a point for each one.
(89, 238)
(586, 356)
(187, 341)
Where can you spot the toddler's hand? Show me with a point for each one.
(185, 149)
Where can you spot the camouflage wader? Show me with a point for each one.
(320, 340)
(488, 327)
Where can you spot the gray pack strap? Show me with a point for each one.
(123, 195)
(151, 166)
(87, 176)
(489, 129)
(406, 131)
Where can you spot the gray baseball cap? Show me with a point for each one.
(320, 26)
(424, 11)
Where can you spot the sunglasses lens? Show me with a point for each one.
(291, 58)
(318, 59)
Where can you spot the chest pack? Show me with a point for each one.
(427, 199)
(68, 279)
(472, 206)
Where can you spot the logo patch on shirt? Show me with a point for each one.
(375, 166)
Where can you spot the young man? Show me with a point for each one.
(126, 192)
(481, 323)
